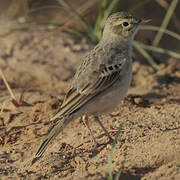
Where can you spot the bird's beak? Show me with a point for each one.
(145, 21)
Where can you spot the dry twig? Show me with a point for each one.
(15, 102)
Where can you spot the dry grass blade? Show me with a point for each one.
(104, 11)
(159, 50)
(14, 100)
(74, 13)
(99, 25)
(146, 55)
(155, 28)
(165, 5)
(109, 10)
(82, 10)
(41, 8)
(117, 177)
(67, 21)
(165, 22)
(110, 160)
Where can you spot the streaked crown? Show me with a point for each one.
(122, 24)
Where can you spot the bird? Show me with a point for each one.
(102, 79)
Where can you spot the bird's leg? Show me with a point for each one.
(96, 117)
(85, 121)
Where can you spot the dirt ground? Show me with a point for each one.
(41, 71)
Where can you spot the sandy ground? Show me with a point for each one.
(41, 70)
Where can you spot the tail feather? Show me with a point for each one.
(53, 133)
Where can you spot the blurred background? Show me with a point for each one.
(85, 18)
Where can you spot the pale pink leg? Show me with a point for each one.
(85, 121)
(96, 117)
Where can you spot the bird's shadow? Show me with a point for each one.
(79, 151)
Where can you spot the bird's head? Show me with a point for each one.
(121, 25)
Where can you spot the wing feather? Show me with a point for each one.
(76, 99)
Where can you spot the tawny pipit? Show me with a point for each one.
(103, 78)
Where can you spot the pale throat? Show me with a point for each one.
(115, 41)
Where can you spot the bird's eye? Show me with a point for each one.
(125, 24)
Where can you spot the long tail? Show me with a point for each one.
(53, 133)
